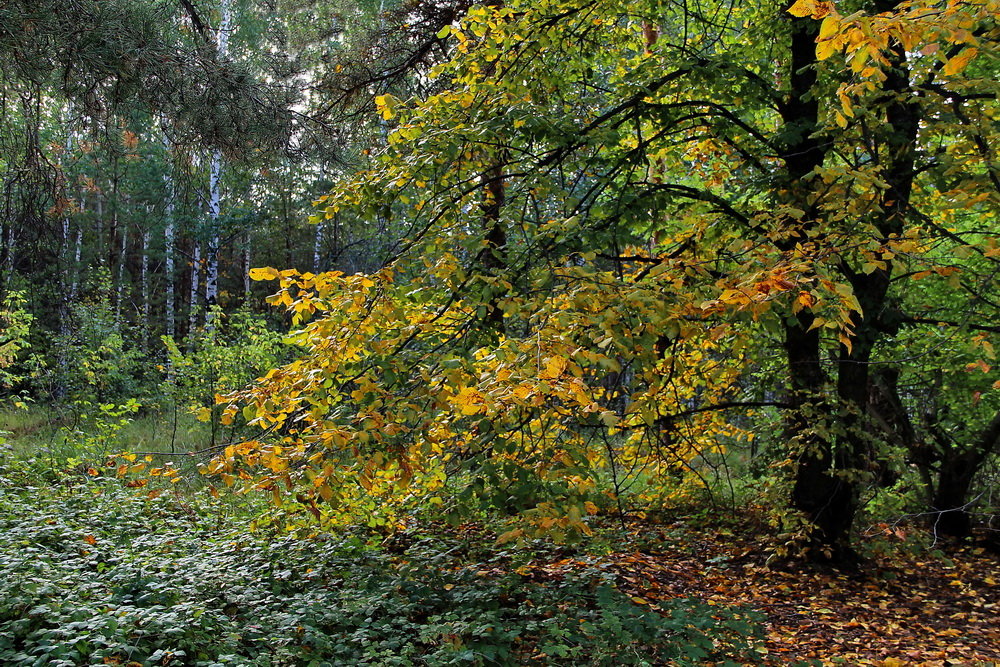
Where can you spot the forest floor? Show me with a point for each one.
(90, 571)
(932, 606)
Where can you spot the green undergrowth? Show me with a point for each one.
(45, 431)
(91, 573)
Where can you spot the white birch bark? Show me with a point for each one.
(317, 246)
(75, 284)
(215, 182)
(246, 265)
(66, 277)
(195, 274)
(168, 241)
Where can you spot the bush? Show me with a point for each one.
(96, 359)
(219, 359)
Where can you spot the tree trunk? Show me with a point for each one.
(212, 248)
(955, 477)
(144, 284)
(215, 185)
(246, 264)
(317, 246)
(828, 499)
(78, 251)
(168, 242)
(493, 256)
(195, 275)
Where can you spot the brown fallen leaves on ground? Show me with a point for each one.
(911, 607)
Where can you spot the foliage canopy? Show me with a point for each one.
(615, 211)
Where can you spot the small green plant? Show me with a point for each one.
(96, 427)
(15, 325)
(215, 360)
(96, 358)
(90, 434)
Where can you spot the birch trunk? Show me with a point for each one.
(168, 242)
(195, 274)
(317, 246)
(215, 183)
(75, 284)
(246, 265)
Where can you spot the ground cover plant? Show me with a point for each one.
(91, 573)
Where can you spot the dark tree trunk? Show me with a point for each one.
(830, 426)
(493, 257)
(955, 477)
(827, 499)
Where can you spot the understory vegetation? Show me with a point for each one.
(92, 573)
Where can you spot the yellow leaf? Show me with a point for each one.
(325, 492)
(826, 48)
(264, 273)
(815, 8)
(845, 340)
(817, 323)
(609, 418)
(806, 299)
(384, 104)
(510, 536)
(960, 62)
(469, 401)
(802, 8)
(554, 367)
(829, 27)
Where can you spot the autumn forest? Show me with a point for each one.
(424, 332)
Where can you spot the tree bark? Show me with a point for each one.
(955, 477)
(215, 184)
(170, 299)
(828, 499)
(493, 256)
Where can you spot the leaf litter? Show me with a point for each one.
(909, 606)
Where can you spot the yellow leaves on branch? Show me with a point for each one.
(371, 415)
(960, 62)
(816, 9)
(919, 26)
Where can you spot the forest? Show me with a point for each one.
(571, 332)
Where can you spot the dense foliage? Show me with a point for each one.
(577, 271)
(585, 257)
(637, 237)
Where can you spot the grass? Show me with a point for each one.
(38, 429)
